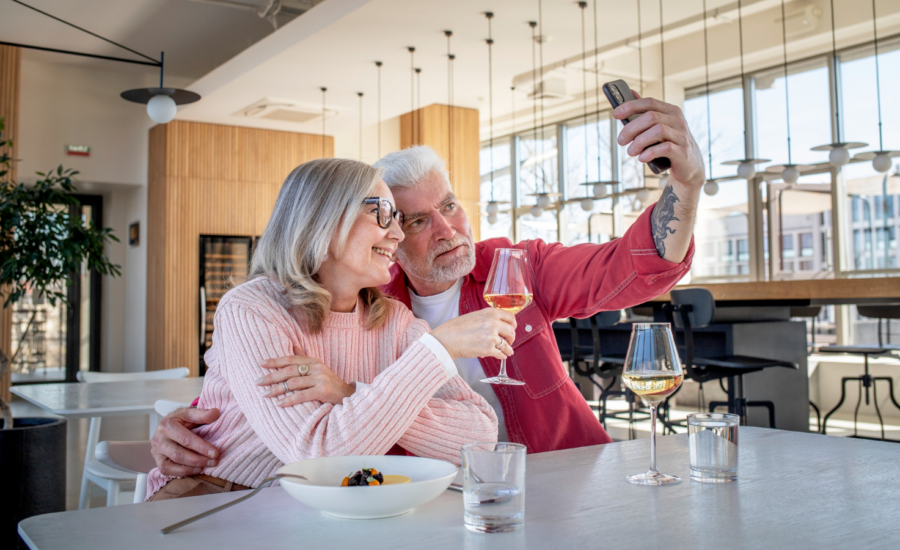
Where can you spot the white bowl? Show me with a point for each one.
(323, 492)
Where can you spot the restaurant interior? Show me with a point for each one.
(177, 121)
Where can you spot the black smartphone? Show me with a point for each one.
(618, 92)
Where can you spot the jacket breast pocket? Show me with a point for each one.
(536, 360)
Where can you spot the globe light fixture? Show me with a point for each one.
(543, 200)
(710, 188)
(838, 155)
(492, 218)
(587, 204)
(492, 208)
(599, 190)
(790, 174)
(537, 211)
(881, 160)
(161, 109)
(746, 166)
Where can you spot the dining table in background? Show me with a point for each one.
(135, 397)
(794, 490)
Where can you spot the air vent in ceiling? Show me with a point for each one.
(285, 110)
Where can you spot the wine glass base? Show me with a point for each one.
(504, 380)
(652, 478)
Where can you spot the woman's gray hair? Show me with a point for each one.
(408, 167)
(319, 200)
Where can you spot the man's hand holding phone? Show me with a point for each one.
(653, 130)
(660, 130)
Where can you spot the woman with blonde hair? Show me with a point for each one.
(313, 289)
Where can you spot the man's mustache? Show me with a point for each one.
(450, 245)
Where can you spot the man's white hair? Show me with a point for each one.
(410, 166)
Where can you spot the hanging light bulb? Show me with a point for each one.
(882, 162)
(746, 166)
(161, 109)
(790, 174)
(599, 190)
(162, 103)
(710, 188)
(492, 207)
(543, 200)
(492, 218)
(537, 211)
(838, 155)
(643, 195)
(587, 205)
(746, 169)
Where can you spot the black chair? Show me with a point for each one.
(695, 308)
(810, 312)
(866, 381)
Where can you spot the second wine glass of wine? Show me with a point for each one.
(653, 372)
(507, 288)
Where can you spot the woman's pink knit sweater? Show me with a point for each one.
(406, 397)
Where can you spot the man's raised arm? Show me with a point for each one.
(662, 131)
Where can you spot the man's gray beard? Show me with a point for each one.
(428, 271)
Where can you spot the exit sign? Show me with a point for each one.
(78, 150)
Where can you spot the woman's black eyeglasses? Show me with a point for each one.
(386, 212)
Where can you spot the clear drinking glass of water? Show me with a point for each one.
(713, 443)
(494, 486)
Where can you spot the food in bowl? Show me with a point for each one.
(371, 476)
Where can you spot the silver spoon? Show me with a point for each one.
(265, 483)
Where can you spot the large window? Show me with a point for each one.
(873, 199)
(588, 160)
(496, 184)
(538, 173)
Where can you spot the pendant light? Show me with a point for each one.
(324, 89)
(881, 159)
(360, 94)
(664, 177)
(450, 58)
(412, 95)
(378, 65)
(544, 199)
(746, 166)
(587, 203)
(492, 207)
(790, 172)
(710, 187)
(839, 154)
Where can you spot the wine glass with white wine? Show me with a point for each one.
(506, 289)
(653, 372)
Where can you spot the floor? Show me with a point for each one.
(133, 428)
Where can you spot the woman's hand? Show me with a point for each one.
(483, 333)
(318, 384)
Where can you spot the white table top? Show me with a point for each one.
(795, 491)
(108, 398)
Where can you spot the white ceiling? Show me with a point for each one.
(197, 36)
(336, 43)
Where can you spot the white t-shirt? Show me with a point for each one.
(437, 310)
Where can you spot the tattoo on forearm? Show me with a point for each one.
(663, 214)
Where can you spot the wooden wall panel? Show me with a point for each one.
(453, 133)
(214, 180)
(10, 76)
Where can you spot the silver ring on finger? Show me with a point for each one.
(303, 370)
(284, 385)
(500, 345)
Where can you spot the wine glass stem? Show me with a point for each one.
(653, 439)
(502, 368)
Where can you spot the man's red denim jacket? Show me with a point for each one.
(548, 413)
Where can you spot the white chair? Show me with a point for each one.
(133, 457)
(106, 477)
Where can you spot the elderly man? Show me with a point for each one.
(440, 274)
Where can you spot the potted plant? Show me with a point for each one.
(41, 246)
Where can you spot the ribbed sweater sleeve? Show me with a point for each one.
(370, 421)
(454, 417)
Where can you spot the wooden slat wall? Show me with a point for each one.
(10, 71)
(453, 133)
(214, 180)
